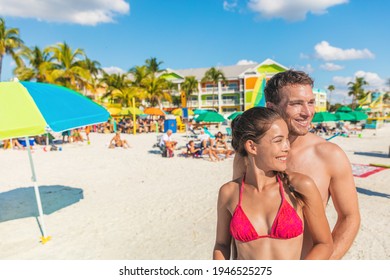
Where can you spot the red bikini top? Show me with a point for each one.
(287, 223)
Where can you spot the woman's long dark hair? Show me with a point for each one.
(251, 125)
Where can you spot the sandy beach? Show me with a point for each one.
(117, 204)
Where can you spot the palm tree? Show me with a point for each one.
(139, 73)
(156, 90)
(356, 90)
(189, 86)
(94, 69)
(69, 70)
(214, 75)
(153, 66)
(331, 88)
(38, 64)
(10, 42)
(117, 85)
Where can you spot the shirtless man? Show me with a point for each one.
(290, 93)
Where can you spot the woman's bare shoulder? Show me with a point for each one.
(230, 188)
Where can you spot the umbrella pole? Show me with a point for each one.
(44, 238)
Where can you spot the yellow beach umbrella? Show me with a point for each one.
(179, 112)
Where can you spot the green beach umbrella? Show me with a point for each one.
(29, 109)
(234, 115)
(200, 111)
(210, 117)
(323, 117)
(361, 109)
(129, 111)
(344, 109)
(358, 115)
(342, 116)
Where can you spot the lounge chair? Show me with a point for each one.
(208, 132)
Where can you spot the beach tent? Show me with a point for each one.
(29, 109)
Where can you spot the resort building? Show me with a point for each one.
(242, 90)
(321, 99)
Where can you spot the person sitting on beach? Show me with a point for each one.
(76, 135)
(265, 210)
(220, 140)
(14, 144)
(198, 152)
(168, 143)
(116, 141)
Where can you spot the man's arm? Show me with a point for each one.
(344, 196)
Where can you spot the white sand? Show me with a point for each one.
(137, 205)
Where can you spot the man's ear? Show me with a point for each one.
(270, 105)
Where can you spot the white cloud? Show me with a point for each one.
(84, 12)
(291, 10)
(306, 68)
(246, 62)
(304, 56)
(327, 52)
(342, 81)
(230, 5)
(113, 70)
(373, 79)
(331, 67)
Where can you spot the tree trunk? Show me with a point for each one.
(1, 65)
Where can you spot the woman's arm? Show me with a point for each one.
(315, 218)
(223, 238)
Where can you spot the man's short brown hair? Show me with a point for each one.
(282, 79)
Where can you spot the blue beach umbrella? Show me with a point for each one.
(29, 109)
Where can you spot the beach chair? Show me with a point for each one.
(181, 127)
(205, 129)
(228, 132)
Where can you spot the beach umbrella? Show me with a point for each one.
(234, 115)
(344, 109)
(179, 112)
(130, 110)
(200, 111)
(361, 109)
(29, 109)
(114, 111)
(210, 117)
(358, 115)
(154, 111)
(341, 116)
(323, 117)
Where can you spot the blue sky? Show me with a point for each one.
(333, 40)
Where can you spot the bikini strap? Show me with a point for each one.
(281, 189)
(241, 189)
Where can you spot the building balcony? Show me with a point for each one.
(209, 90)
